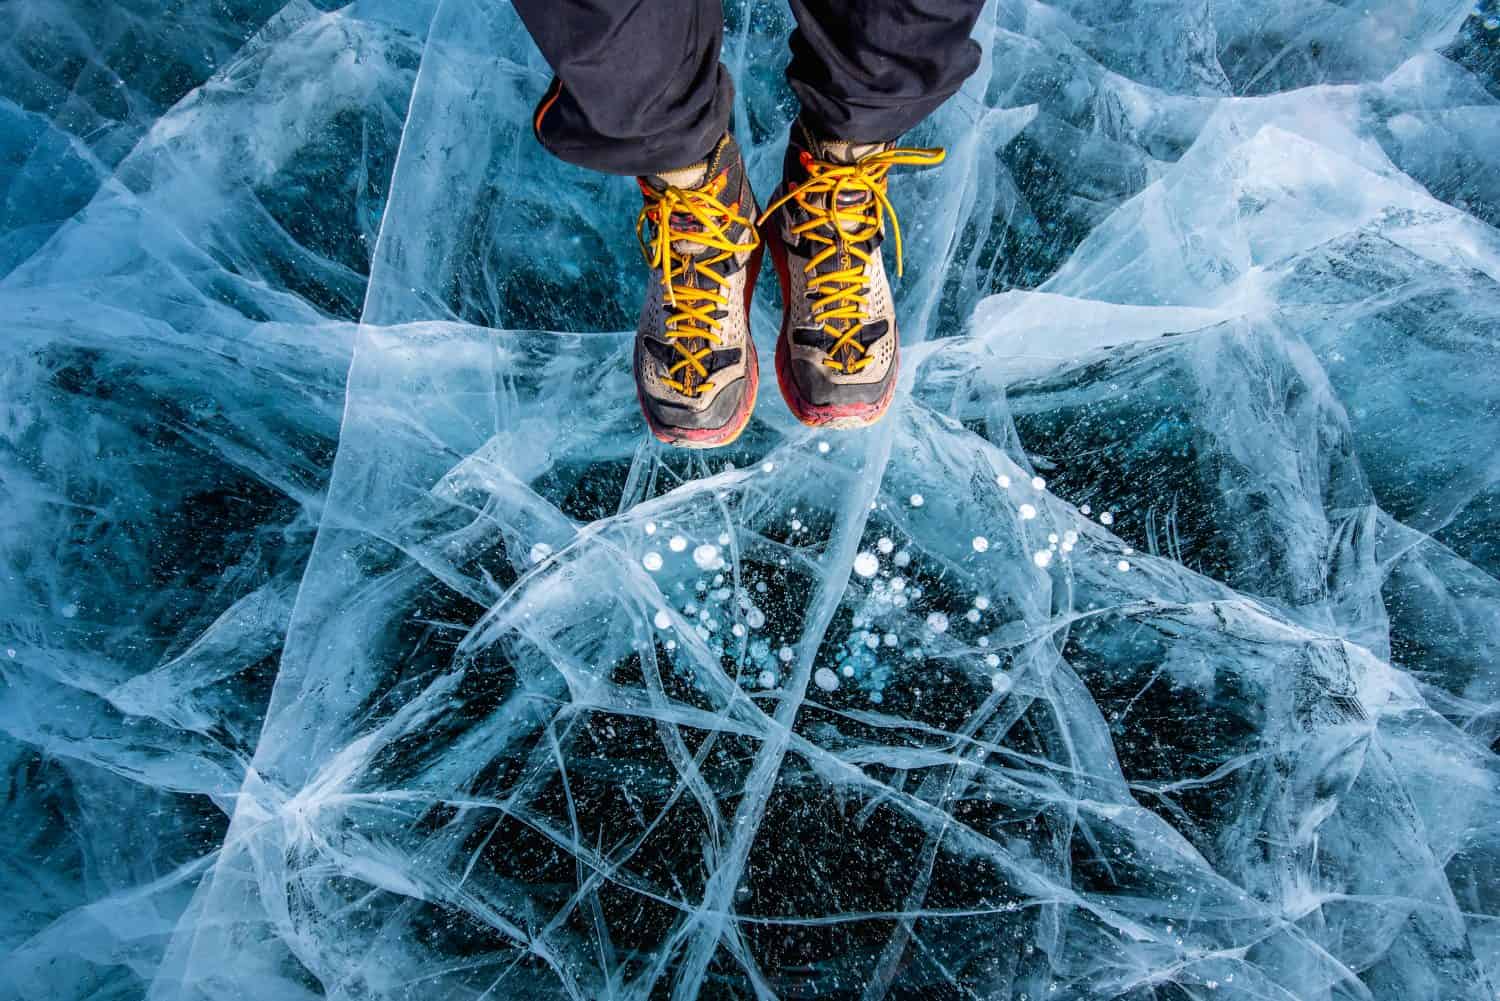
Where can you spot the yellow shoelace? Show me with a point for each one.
(694, 307)
(841, 301)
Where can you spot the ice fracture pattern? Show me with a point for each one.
(357, 643)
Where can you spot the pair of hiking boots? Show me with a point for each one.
(703, 236)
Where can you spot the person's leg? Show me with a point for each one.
(638, 86)
(868, 70)
(865, 72)
(639, 90)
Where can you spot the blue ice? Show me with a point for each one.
(356, 643)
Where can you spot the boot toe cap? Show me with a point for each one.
(819, 387)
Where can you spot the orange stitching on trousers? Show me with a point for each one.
(547, 102)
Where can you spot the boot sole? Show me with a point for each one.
(837, 416)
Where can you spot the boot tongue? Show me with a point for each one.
(694, 175)
(843, 151)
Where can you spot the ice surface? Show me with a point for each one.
(356, 643)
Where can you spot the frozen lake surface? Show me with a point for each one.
(357, 643)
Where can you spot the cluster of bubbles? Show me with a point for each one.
(725, 617)
(1058, 546)
(707, 556)
(869, 653)
(875, 645)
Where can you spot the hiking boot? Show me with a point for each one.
(836, 357)
(696, 373)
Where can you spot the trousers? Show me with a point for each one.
(639, 87)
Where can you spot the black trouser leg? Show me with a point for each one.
(639, 88)
(868, 70)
